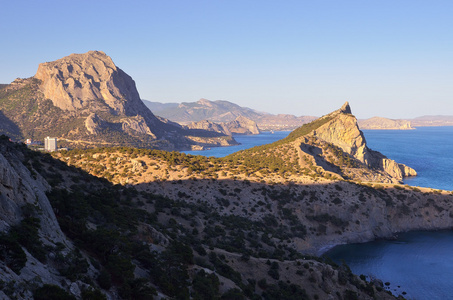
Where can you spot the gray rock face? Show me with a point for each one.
(241, 125)
(210, 126)
(135, 125)
(19, 188)
(94, 124)
(72, 81)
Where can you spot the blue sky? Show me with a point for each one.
(387, 58)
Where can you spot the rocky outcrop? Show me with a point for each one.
(75, 80)
(384, 123)
(242, 125)
(19, 188)
(90, 82)
(23, 194)
(342, 130)
(94, 124)
(136, 125)
(210, 126)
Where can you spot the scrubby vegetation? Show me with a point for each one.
(137, 243)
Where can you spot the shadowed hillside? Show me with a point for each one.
(129, 243)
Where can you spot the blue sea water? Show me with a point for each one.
(417, 263)
(246, 141)
(429, 150)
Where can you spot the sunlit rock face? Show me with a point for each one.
(74, 81)
(243, 125)
(343, 131)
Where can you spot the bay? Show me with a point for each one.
(418, 265)
(246, 141)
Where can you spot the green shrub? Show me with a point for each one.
(52, 292)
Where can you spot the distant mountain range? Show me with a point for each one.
(432, 121)
(424, 121)
(225, 111)
(384, 123)
(203, 109)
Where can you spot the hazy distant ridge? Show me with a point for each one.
(224, 111)
(384, 123)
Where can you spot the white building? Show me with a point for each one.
(50, 144)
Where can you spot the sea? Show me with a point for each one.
(417, 265)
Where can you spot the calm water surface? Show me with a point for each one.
(429, 150)
(247, 141)
(418, 263)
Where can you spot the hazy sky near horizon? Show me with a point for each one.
(387, 58)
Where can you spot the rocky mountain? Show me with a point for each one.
(85, 100)
(221, 111)
(384, 123)
(332, 146)
(341, 129)
(241, 126)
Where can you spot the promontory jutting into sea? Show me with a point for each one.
(105, 195)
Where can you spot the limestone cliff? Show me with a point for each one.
(241, 125)
(23, 200)
(94, 124)
(210, 126)
(342, 130)
(72, 82)
(18, 188)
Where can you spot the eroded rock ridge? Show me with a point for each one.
(343, 131)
